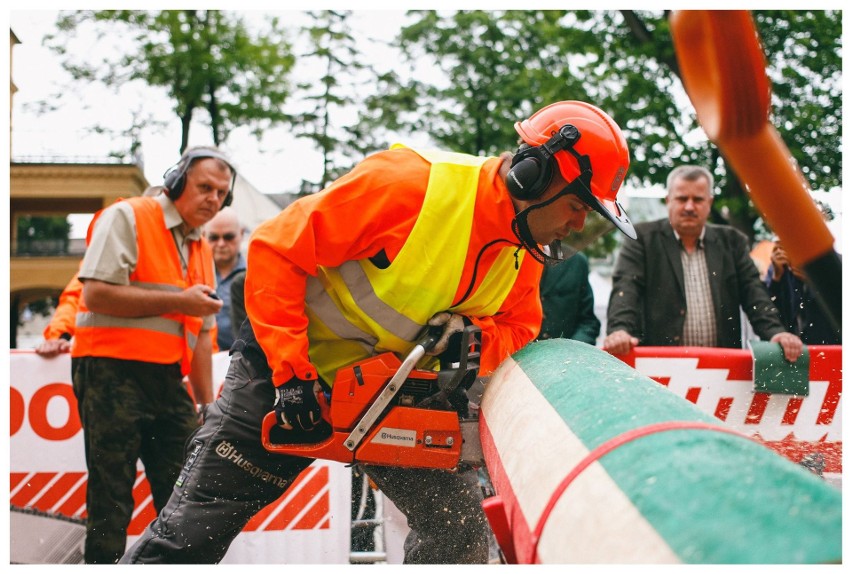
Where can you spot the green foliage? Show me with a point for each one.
(803, 50)
(332, 51)
(495, 68)
(206, 60)
(501, 66)
(40, 227)
(42, 235)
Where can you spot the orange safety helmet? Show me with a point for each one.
(596, 144)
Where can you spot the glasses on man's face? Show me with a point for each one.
(213, 237)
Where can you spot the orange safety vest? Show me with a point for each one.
(160, 339)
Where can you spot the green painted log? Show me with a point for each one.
(682, 496)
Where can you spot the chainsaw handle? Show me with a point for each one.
(430, 338)
(269, 421)
(468, 365)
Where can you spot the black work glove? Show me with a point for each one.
(296, 404)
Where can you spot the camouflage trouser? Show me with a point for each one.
(228, 477)
(130, 410)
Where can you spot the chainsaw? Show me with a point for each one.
(386, 412)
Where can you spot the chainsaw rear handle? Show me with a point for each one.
(426, 343)
(451, 376)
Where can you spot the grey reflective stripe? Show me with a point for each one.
(322, 305)
(156, 286)
(158, 324)
(365, 297)
(191, 340)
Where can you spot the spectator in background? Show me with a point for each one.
(796, 301)
(143, 323)
(684, 281)
(60, 330)
(225, 235)
(567, 301)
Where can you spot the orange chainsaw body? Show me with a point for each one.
(405, 435)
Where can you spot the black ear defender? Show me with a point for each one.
(532, 166)
(174, 180)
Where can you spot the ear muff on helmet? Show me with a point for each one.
(529, 176)
(532, 166)
(174, 180)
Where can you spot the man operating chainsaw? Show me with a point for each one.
(408, 240)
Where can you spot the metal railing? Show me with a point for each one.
(126, 159)
(48, 248)
(376, 524)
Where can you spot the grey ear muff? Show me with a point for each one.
(174, 180)
(524, 179)
(532, 166)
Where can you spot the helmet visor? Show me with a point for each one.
(581, 186)
(610, 209)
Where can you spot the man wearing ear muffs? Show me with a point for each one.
(144, 322)
(408, 239)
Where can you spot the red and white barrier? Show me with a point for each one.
(721, 382)
(310, 523)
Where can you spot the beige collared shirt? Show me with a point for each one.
(112, 254)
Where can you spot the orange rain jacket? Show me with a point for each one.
(65, 316)
(372, 210)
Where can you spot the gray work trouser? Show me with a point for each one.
(219, 491)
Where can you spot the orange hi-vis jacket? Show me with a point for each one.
(359, 268)
(163, 339)
(65, 316)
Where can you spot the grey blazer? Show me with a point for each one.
(648, 299)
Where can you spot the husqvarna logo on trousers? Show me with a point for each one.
(227, 451)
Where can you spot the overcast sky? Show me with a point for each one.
(277, 164)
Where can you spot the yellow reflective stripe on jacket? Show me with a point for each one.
(321, 306)
(157, 286)
(357, 309)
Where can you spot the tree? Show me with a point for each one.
(635, 75)
(491, 80)
(803, 52)
(206, 60)
(501, 66)
(333, 52)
